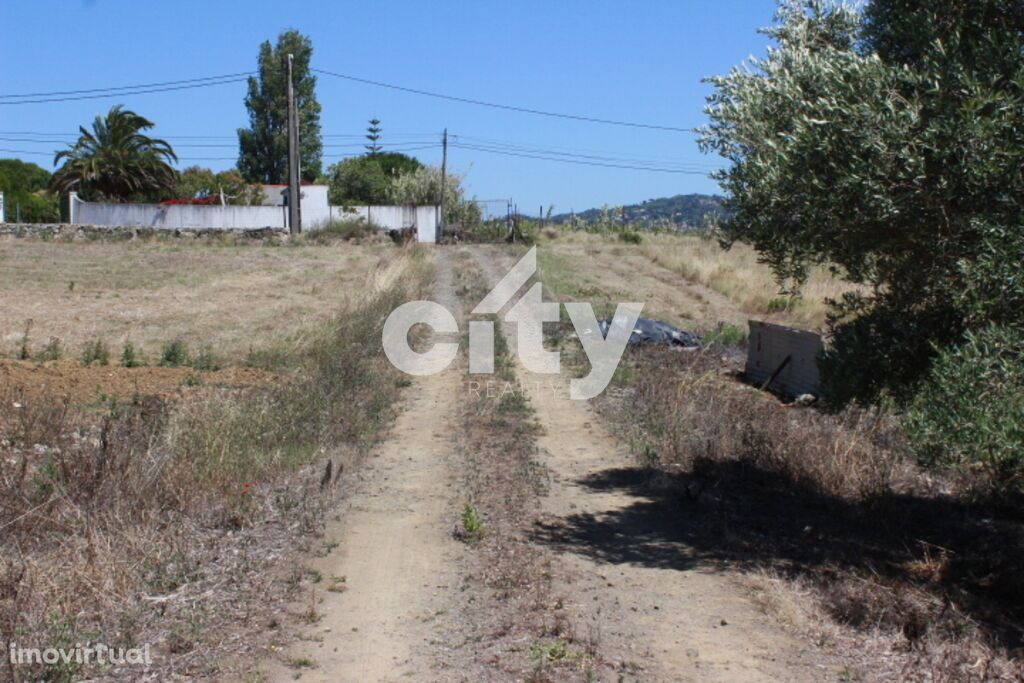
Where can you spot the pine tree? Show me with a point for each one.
(374, 135)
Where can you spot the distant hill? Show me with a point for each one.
(683, 211)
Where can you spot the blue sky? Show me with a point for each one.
(633, 61)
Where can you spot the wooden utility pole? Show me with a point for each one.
(444, 171)
(294, 188)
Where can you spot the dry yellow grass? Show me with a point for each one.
(697, 280)
(739, 275)
(231, 298)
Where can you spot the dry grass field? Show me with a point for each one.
(687, 279)
(230, 298)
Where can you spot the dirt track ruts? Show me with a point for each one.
(668, 621)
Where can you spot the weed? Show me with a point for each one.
(550, 653)
(472, 526)
(129, 356)
(781, 304)
(53, 351)
(514, 402)
(726, 335)
(206, 360)
(96, 352)
(174, 354)
(23, 351)
(312, 615)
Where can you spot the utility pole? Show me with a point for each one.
(294, 189)
(508, 221)
(515, 220)
(444, 171)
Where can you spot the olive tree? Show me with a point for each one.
(887, 144)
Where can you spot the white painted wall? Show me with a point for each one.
(423, 218)
(315, 209)
(172, 216)
(315, 213)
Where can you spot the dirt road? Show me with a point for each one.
(395, 562)
(652, 609)
(650, 603)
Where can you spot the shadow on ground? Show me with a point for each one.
(968, 560)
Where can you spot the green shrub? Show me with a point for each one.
(781, 304)
(970, 410)
(174, 354)
(472, 525)
(96, 352)
(130, 357)
(726, 335)
(631, 237)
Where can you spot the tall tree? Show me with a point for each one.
(116, 160)
(373, 134)
(263, 146)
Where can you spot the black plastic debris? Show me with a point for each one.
(647, 331)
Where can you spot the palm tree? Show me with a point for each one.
(116, 160)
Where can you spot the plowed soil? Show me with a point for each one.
(83, 385)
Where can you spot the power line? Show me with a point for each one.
(122, 94)
(126, 87)
(617, 159)
(579, 162)
(601, 155)
(25, 151)
(508, 107)
(661, 164)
